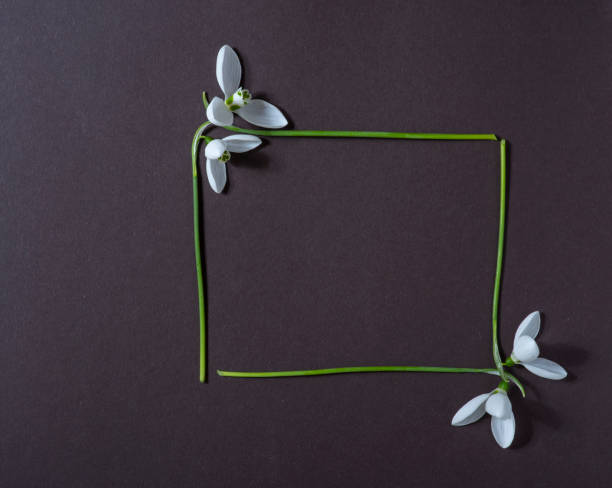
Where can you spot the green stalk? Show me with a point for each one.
(364, 134)
(355, 369)
(500, 258)
(198, 253)
(368, 369)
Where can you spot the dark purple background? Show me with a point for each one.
(322, 252)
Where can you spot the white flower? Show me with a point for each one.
(525, 350)
(498, 406)
(237, 99)
(218, 152)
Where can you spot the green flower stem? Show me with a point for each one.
(504, 385)
(500, 258)
(356, 369)
(198, 256)
(367, 369)
(364, 134)
(515, 380)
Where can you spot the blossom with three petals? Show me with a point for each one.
(237, 99)
(218, 153)
(498, 406)
(526, 352)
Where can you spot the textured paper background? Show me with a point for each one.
(322, 253)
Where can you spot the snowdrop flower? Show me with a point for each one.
(525, 350)
(237, 99)
(218, 153)
(498, 406)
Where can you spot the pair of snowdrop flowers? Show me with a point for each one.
(525, 352)
(221, 113)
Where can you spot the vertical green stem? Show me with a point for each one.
(500, 258)
(198, 253)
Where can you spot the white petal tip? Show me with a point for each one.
(218, 114)
(546, 369)
(240, 143)
(229, 70)
(262, 114)
(503, 430)
(217, 175)
(530, 327)
(471, 411)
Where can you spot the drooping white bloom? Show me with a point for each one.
(498, 406)
(525, 350)
(218, 153)
(237, 99)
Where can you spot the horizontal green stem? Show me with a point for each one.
(367, 369)
(355, 369)
(364, 134)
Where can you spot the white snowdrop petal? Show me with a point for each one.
(546, 369)
(217, 174)
(229, 70)
(503, 430)
(498, 405)
(525, 349)
(215, 149)
(530, 326)
(240, 143)
(471, 411)
(262, 114)
(218, 113)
